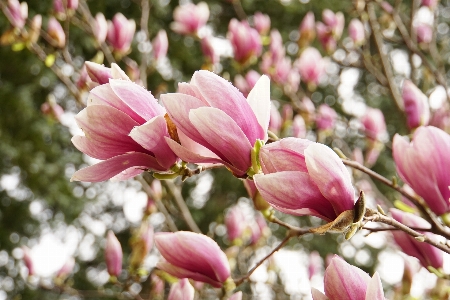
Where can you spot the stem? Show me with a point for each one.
(145, 7)
(175, 191)
(384, 58)
(145, 185)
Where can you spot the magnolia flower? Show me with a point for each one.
(307, 29)
(311, 66)
(298, 127)
(181, 290)
(100, 28)
(125, 126)
(113, 254)
(235, 223)
(101, 74)
(424, 163)
(424, 33)
(245, 40)
(35, 28)
(374, 124)
(189, 18)
(66, 269)
(334, 21)
(326, 117)
(416, 105)
(262, 22)
(246, 84)
(160, 45)
(204, 107)
(356, 32)
(58, 5)
(326, 37)
(344, 281)
(192, 255)
(121, 33)
(209, 52)
(292, 163)
(18, 13)
(427, 254)
(56, 32)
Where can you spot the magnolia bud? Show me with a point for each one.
(181, 290)
(262, 23)
(121, 33)
(356, 32)
(100, 28)
(56, 31)
(307, 29)
(18, 13)
(141, 243)
(113, 254)
(416, 105)
(160, 45)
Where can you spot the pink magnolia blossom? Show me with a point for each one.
(28, 261)
(141, 245)
(209, 52)
(424, 163)
(160, 45)
(441, 119)
(311, 66)
(298, 127)
(374, 124)
(56, 32)
(204, 107)
(52, 109)
(245, 40)
(18, 13)
(344, 281)
(275, 119)
(416, 105)
(66, 269)
(123, 125)
(276, 46)
(236, 296)
(430, 3)
(35, 28)
(334, 21)
(235, 223)
(157, 285)
(262, 22)
(113, 254)
(246, 84)
(192, 255)
(326, 37)
(181, 290)
(189, 18)
(58, 5)
(424, 33)
(120, 33)
(290, 163)
(356, 32)
(307, 29)
(326, 117)
(427, 254)
(100, 28)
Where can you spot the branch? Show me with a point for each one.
(145, 7)
(175, 191)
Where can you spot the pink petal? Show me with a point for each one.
(104, 95)
(295, 192)
(284, 155)
(137, 98)
(106, 169)
(210, 123)
(259, 100)
(375, 288)
(318, 295)
(223, 95)
(151, 136)
(184, 273)
(104, 149)
(331, 176)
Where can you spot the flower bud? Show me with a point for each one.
(344, 281)
(235, 223)
(374, 124)
(430, 3)
(208, 50)
(298, 127)
(120, 33)
(427, 254)
(141, 244)
(66, 269)
(35, 28)
(192, 255)
(424, 33)
(258, 202)
(427, 152)
(275, 119)
(28, 260)
(18, 13)
(335, 22)
(262, 23)
(236, 296)
(157, 285)
(416, 105)
(113, 254)
(100, 28)
(56, 32)
(307, 30)
(326, 37)
(52, 109)
(98, 73)
(160, 45)
(311, 66)
(326, 117)
(58, 6)
(245, 40)
(356, 32)
(190, 18)
(181, 290)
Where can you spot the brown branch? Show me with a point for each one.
(375, 25)
(146, 187)
(145, 7)
(237, 5)
(175, 191)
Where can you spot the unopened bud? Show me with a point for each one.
(113, 254)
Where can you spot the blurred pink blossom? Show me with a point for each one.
(56, 32)
(374, 124)
(245, 40)
(120, 33)
(160, 45)
(189, 18)
(18, 13)
(100, 27)
(356, 32)
(307, 29)
(262, 23)
(416, 105)
(311, 66)
(326, 117)
(181, 290)
(113, 254)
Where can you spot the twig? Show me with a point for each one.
(175, 191)
(237, 5)
(145, 7)
(377, 217)
(158, 202)
(384, 58)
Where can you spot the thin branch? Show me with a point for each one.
(175, 191)
(145, 7)
(237, 5)
(158, 202)
(384, 58)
